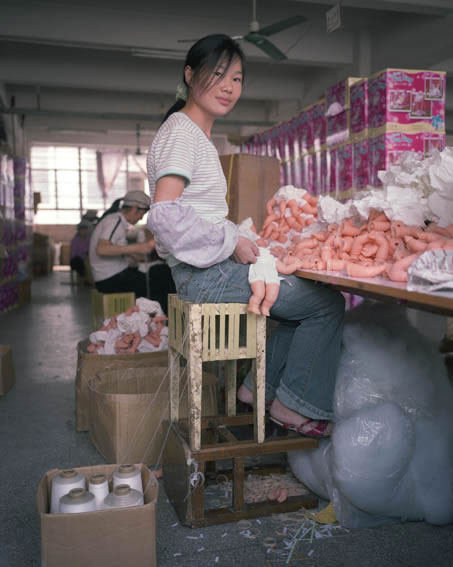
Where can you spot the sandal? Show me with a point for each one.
(314, 428)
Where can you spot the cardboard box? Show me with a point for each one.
(407, 98)
(339, 125)
(358, 93)
(251, 181)
(127, 408)
(65, 253)
(88, 365)
(387, 149)
(7, 375)
(113, 538)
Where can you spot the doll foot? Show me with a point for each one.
(254, 309)
(265, 311)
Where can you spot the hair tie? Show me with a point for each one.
(181, 92)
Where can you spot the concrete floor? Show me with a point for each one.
(37, 434)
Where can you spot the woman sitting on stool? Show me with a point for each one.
(112, 259)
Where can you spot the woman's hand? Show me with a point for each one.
(246, 251)
(145, 247)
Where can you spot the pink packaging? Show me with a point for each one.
(331, 182)
(305, 132)
(359, 107)
(400, 97)
(323, 173)
(340, 93)
(338, 128)
(387, 148)
(319, 126)
(361, 164)
(308, 182)
(338, 98)
(344, 168)
(285, 152)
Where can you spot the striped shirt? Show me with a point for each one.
(180, 147)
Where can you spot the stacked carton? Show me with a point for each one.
(16, 218)
(337, 145)
(406, 112)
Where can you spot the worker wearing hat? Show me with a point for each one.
(110, 251)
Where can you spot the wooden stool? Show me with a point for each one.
(105, 305)
(214, 331)
(228, 332)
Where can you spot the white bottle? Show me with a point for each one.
(128, 474)
(123, 496)
(62, 483)
(77, 500)
(99, 488)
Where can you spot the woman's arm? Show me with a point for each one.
(169, 188)
(189, 238)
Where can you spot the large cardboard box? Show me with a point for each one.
(114, 538)
(128, 407)
(88, 365)
(251, 181)
(65, 253)
(7, 375)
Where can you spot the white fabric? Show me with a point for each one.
(108, 166)
(182, 236)
(108, 337)
(104, 267)
(137, 321)
(149, 306)
(265, 268)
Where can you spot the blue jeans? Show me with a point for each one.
(302, 354)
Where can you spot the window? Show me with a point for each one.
(66, 177)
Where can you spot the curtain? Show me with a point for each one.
(108, 165)
(140, 161)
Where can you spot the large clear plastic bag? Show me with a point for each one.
(390, 457)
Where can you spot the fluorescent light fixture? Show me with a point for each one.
(155, 53)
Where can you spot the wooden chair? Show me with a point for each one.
(218, 332)
(105, 305)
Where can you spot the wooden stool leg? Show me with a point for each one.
(173, 390)
(259, 390)
(238, 484)
(230, 386)
(194, 368)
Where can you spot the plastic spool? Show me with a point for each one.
(128, 474)
(77, 500)
(123, 496)
(61, 484)
(99, 488)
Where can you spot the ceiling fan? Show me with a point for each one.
(258, 36)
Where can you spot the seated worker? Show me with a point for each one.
(114, 262)
(79, 249)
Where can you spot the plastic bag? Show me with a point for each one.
(390, 457)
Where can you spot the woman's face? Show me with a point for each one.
(225, 90)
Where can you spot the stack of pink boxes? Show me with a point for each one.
(337, 145)
(406, 112)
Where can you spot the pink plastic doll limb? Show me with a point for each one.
(270, 298)
(134, 343)
(258, 293)
(398, 271)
